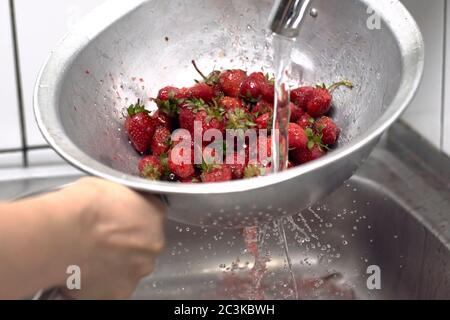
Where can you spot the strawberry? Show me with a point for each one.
(319, 103)
(216, 173)
(264, 121)
(264, 146)
(239, 119)
(202, 91)
(187, 113)
(169, 98)
(301, 96)
(328, 130)
(167, 93)
(192, 180)
(162, 119)
(262, 107)
(186, 118)
(180, 168)
(268, 89)
(140, 127)
(306, 121)
(297, 137)
(150, 168)
(262, 154)
(302, 156)
(210, 118)
(268, 92)
(296, 112)
(257, 170)
(231, 81)
(237, 168)
(229, 103)
(252, 87)
(161, 141)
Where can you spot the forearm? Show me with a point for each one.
(36, 244)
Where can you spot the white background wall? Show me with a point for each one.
(40, 24)
(426, 112)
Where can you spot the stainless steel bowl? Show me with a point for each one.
(127, 50)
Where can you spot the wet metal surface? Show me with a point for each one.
(393, 214)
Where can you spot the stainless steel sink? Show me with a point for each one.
(393, 214)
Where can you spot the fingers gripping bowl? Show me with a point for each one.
(123, 51)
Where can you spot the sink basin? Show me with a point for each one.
(331, 247)
(392, 216)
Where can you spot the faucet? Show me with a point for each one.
(287, 17)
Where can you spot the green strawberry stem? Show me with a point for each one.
(137, 108)
(343, 83)
(199, 71)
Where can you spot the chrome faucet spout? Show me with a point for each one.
(287, 17)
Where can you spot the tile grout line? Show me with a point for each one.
(19, 89)
(31, 148)
(444, 78)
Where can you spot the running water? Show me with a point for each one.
(282, 48)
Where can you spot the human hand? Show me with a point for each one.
(116, 236)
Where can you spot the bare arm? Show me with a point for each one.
(112, 233)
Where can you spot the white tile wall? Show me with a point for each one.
(9, 119)
(43, 157)
(446, 131)
(40, 25)
(9, 160)
(425, 112)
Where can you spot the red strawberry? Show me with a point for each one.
(252, 87)
(306, 121)
(231, 82)
(217, 173)
(262, 107)
(150, 167)
(161, 141)
(257, 170)
(183, 93)
(239, 119)
(168, 100)
(328, 130)
(176, 164)
(264, 142)
(192, 180)
(202, 91)
(264, 121)
(162, 119)
(301, 156)
(237, 168)
(167, 93)
(262, 154)
(297, 137)
(319, 103)
(186, 118)
(268, 92)
(296, 112)
(140, 127)
(229, 103)
(210, 118)
(301, 96)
